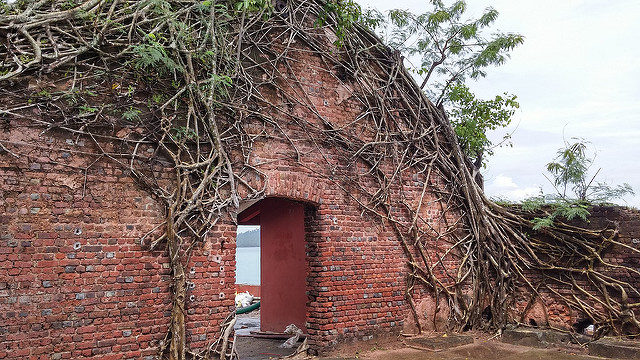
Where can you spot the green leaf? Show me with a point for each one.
(453, 49)
(132, 115)
(539, 223)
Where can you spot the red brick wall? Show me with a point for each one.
(357, 277)
(75, 280)
(551, 310)
(98, 291)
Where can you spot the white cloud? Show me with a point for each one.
(502, 181)
(504, 187)
(521, 194)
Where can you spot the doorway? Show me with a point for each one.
(283, 264)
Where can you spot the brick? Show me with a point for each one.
(81, 243)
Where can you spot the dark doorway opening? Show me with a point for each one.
(283, 265)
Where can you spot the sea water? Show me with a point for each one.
(248, 265)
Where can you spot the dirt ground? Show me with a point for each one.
(477, 351)
(260, 349)
(394, 348)
(481, 349)
(250, 348)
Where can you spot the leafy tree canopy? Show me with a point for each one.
(452, 49)
(472, 118)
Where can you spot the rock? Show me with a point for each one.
(615, 349)
(445, 341)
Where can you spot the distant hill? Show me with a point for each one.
(248, 239)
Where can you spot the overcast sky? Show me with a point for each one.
(577, 73)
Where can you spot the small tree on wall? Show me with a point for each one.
(575, 189)
(571, 180)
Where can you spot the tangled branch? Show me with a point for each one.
(199, 83)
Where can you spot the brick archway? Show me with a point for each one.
(289, 231)
(295, 186)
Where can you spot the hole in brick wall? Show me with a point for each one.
(279, 5)
(487, 315)
(533, 323)
(581, 325)
(343, 74)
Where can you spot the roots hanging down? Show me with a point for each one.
(198, 84)
(225, 346)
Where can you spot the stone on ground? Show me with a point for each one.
(440, 342)
(615, 349)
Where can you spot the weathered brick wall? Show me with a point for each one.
(358, 269)
(551, 310)
(75, 279)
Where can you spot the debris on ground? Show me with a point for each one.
(243, 299)
(293, 340)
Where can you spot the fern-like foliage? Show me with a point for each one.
(575, 188)
(153, 56)
(540, 223)
(347, 14)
